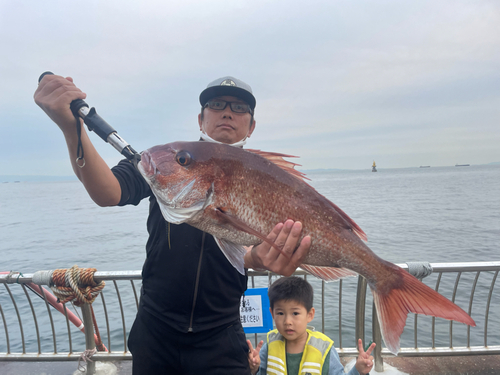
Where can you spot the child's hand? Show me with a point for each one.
(364, 363)
(253, 356)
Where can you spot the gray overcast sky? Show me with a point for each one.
(338, 83)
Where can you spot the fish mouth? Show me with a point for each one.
(147, 166)
(148, 169)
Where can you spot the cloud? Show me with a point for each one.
(339, 83)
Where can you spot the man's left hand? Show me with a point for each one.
(285, 236)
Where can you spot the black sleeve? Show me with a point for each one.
(134, 187)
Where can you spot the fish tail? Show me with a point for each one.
(407, 295)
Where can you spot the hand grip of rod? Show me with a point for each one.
(97, 124)
(43, 75)
(75, 104)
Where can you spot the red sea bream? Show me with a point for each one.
(239, 195)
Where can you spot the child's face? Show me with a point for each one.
(291, 319)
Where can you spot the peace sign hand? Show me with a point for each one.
(364, 363)
(254, 356)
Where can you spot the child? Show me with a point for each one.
(292, 349)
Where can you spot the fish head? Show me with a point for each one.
(181, 177)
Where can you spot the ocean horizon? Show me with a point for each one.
(72, 177)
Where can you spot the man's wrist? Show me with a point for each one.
(252, 262)
(248, 259)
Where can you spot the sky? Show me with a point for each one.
(338, 83)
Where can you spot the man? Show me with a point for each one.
(188, 318)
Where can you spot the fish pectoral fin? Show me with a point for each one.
(234, 253)
(226, 217)
(328, 273)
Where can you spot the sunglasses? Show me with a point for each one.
(237, 107)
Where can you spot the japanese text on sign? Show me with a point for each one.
(251, 311)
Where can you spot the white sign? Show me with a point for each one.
(251, 311)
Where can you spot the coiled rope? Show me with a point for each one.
(77, 285)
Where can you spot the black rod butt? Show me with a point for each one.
(43, 75)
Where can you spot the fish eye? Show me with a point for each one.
(183, 158)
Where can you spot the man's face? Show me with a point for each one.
(226, 126)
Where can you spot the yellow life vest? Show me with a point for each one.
(317, 347)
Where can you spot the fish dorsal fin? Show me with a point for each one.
(277, 158)
(289, 167)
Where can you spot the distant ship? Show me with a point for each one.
(374, 167)
(425, 166)
(462, 165)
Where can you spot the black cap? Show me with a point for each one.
(228, 86)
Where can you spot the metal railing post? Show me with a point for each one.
(360, 310)
(89, 335)
(377, 339)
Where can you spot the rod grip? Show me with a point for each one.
(43, 75)
(75, 104)
(97, 124)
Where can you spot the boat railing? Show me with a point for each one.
(31, 330)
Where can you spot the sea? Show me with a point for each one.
(436, 214)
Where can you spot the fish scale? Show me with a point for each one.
(239, 196)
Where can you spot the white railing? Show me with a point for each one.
(31, 330)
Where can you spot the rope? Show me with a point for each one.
(419, 269)
(76, 285)
(86, 356)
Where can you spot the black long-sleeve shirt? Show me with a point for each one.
(187, 281)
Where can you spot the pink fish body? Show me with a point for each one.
(239, 196)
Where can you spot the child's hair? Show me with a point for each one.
(291, 288)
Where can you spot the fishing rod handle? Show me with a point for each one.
(78, 106)
(97, 124)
